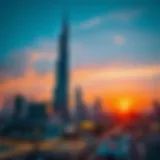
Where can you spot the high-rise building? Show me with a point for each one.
(97, 110)
(80, 106)
(37, 111)
(62, 75)
(20, 109)
(156, 106)
(7, 111)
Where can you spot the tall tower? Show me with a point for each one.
(80, 106)
(62, 75)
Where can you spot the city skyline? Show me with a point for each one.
(114, 52)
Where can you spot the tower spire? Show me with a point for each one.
(62, 77)
(65, 22)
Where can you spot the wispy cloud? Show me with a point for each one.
(123, 15)
(91, 22)
(37, 56)
(94, 75)
(120, 15)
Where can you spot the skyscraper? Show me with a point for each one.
(80, 106)
(97, 111)
(20, 110)
(62, 75)
(37, 111)
(156, 106)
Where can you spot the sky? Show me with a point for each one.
(114, 50)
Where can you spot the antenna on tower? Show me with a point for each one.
(65, 20)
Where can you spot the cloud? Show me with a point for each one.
(119, 15)
(92, 22)
(38, 56)
(43, 62)
(45, 49)
(101, 74)
(17, 63)
(14, 64)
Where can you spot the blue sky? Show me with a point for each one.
(135, 24)
(102, 34)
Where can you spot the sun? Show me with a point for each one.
(125, 104)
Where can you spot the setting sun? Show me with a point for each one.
(125, 105)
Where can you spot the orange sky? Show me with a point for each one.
(110, 84)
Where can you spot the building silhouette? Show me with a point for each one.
(20, 107)
(156, 107)
(37, 111)
(8, 110)
(97, 111)
(81, 112)
(62, 75)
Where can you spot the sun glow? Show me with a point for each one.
(125, 105)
